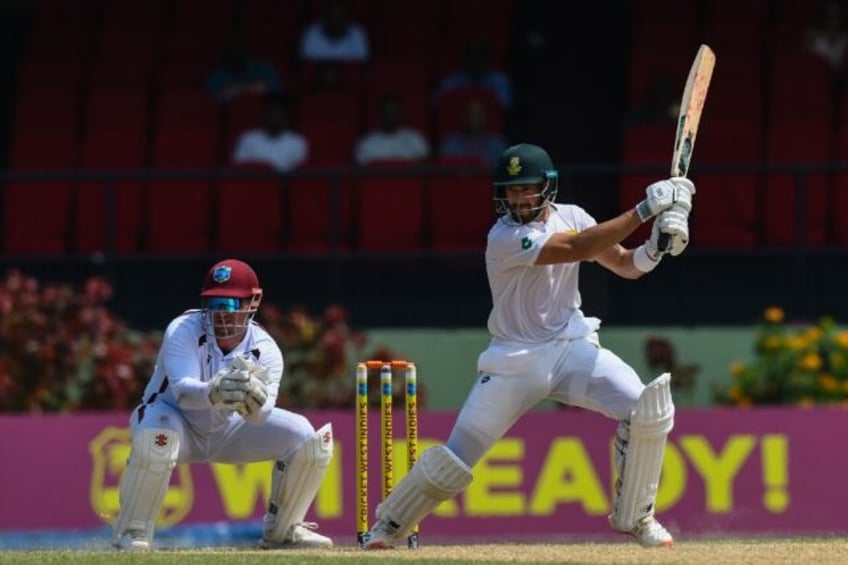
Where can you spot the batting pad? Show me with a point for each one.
(438, 476)
(294, 485)
(650, 423)
(145, 480)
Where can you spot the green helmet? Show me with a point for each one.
(525, 164)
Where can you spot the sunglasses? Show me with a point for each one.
(223, 304)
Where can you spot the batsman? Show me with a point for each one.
(543, 346)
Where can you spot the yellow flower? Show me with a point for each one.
(813, 334)
(811, 362)
(737, 368)
(842, 339)
(837, 360)
(797, 343)
(773, 315)
(844, 386)
(828, 383)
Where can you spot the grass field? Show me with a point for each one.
(719, 552)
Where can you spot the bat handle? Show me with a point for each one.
(663, 242)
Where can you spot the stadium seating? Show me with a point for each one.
(95, 224)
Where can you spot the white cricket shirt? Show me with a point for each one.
(535, 303)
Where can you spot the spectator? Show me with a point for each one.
(241, 74)
(475, 139)
(476, 70)
(334, 37)
(275, 144)
(391, 140)
(827, 37)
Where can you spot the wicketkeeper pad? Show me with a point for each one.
(145, 480)
(294, 485)
(437, 476)
(639, 454)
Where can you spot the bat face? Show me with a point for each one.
(691, 107)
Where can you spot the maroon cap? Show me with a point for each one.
(232, 278)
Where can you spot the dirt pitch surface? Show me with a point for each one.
(772, 552)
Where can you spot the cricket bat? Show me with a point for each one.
(691, 107)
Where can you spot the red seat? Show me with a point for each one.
(52, 110)
(188, 108)
(322, 77)
(313, 224)
(399, 75)
(390, 214)
(461, 211)
(726, 209)
(181, 211)
(796, 142)
(249, 213)
(648, 62)
(331, 143)
(53, 71)
(36, 215)
(648, 145)
(791, 102)
(734, 100)
(116, 71)
(118, 110)
(105, 151)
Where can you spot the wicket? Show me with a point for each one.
(386, 435)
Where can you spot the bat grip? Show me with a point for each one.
(662, 243)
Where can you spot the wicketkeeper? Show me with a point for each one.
(212, 399)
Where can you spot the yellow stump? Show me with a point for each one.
(361, 453)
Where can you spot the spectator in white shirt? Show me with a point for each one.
(391, 141)
(334, 37)
(275, 144)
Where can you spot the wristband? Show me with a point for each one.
(642, 259)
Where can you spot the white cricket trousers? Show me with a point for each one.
(236, 442)
(513, 378)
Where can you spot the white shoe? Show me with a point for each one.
(381, 536)
(300, 536)
(132, 540)
(649, 533)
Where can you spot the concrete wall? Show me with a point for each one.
(447, 359)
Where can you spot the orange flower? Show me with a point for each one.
(828, 383)
(811, 362)
(773, 315)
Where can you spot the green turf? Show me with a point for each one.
(714, 552)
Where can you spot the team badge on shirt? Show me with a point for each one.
(526, 243)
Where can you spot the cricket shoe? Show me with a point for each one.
(132, 540)
(649, 533)
(381, 536)
(300, 536)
